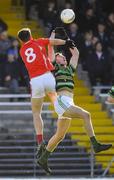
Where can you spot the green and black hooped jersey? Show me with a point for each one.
(64, 77)
(111, 92)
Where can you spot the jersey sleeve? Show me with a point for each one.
(43, 41)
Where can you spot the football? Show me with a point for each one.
(67, 16)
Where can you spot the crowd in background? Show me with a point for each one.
(12, 70)
(92, 31)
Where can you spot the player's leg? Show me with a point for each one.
(62, 127)
(110, 98)
(72, 112)
(49, 84)
(38, 122)
(78, 112)
(52, 96)
(37, 97)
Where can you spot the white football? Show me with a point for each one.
(67, 16)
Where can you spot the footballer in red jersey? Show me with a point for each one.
(39, 67)
(42, 81)
(35, 57)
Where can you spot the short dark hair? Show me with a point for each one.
(58, 53)
(24, 34)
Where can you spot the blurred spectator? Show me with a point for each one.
(5, 44)
(88, 20)
(68, 5)
(12, 73)
(99, 66)
(94, 40)
(15, 47)
(84, 4)
(92, 3)
(75, 34)
(107, 6)
(28, 5)
(3, 26)
(86, 48)
(24, 78)
(110, 28)
(110, 22)
(50, 17)
(33, 14)
(102, 35)
(96, 6)
(41, 6)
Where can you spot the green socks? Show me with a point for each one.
(94, 141)
(45, 156)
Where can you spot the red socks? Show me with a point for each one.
(39, 138)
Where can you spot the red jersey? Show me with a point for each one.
(35, 57)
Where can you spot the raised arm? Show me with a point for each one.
(75, 56)
(51, 53)
(55, 42)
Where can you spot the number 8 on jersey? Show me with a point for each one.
(31, 56)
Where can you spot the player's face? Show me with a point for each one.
(60, 59)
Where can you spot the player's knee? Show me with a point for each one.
(36, 105)
(36, 108)
(87, 115)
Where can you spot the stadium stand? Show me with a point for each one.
(18, 145)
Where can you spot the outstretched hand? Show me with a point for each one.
(74, 51)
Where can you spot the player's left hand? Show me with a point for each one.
(74, 51)
(70, 43)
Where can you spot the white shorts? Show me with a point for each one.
(62, 104)
(43, 84)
